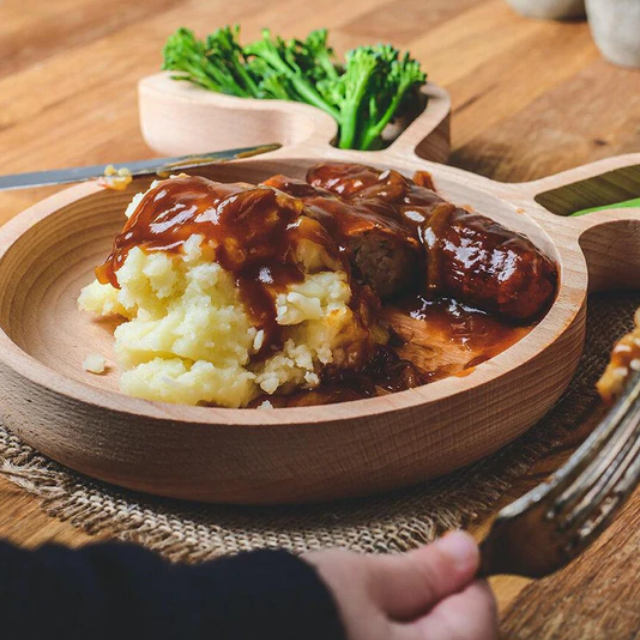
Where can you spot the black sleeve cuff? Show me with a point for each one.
(109, 590)
(267, 594)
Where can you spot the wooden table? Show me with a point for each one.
(530, 98)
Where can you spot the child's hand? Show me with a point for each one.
(427, 594)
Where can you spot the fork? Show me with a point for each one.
(552, 524)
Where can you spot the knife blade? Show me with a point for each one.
(136, 168)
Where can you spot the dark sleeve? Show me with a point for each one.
(108, 591)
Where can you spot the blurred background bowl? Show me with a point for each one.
(615, 25)
(550, 9)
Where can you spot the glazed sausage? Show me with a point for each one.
(384, 250)
(468, 256)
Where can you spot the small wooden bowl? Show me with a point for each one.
(299, 454)
(178, 118)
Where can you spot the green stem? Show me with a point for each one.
(350, 112)
(304, 89)
(374, 132)
(312, 96)
(248, 80)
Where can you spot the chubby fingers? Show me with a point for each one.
(408, 585)
(468, 615)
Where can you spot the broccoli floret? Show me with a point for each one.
(276, 86)
(224, 50)
(402, 78)
(319, 57)
(358, 81)
(216, 64)
(283, 57)
(374, 88)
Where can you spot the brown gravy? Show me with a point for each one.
(445, 337)
(253, 232)
(434, 340)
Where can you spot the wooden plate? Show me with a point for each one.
(299, 454)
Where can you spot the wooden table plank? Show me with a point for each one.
(573, 123)
(529, 97)
(596, 597)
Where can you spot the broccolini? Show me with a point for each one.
(374, 85)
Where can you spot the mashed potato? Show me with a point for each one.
(189, 339)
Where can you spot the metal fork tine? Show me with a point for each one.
(608, 509)
(598, 475)
(542, 531)
(591, 449)
(621, 427)
(610, 469)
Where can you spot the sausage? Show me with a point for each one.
(468, 256)
(383, 249)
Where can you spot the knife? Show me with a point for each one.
(136, 168)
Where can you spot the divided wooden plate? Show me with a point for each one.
(301, 454)
(178, 118)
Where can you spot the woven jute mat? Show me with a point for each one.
(393, 522)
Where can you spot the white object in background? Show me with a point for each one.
(94, 363)
(550, 9)
(615, 25)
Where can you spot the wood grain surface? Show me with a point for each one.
(529, 98)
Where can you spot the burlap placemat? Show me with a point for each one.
(394, 522)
